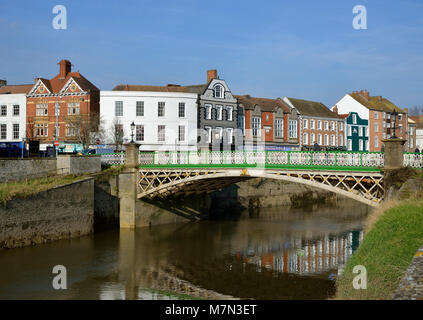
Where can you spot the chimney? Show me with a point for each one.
(3, 83)
(65, 68)
(211, 74)
(335, 109)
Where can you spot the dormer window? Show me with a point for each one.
(218, 91)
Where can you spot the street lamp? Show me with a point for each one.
(394, 115)
(132, 131)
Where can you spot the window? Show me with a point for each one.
(341, 126)
(3, 131)
(305, 123)
(229, 111)
(71, 131)
(181, 112)
(41, 129)
(376, 127)
(400, 117)
(367, 145)
(267, 117)
(219, 132)
(161, 133)
(384, 135)
(241, 123)
(326, 140)
(118, 108)
(140, 108)
(208, 134)
(354, 119)
(293, 129)
(208, 109)
(181, 133)
(332, 140)
(349, 145)
(400, 128)
(16, 110)
(16, 131)
(218, 91)
(219, 112)
(305, 138)
(376, 115)
(376, 142)
(326, 125)
(349, 130)
(161, 109)
(312, 138)
(230, 133)
(341, 140)
(312, 124)
(332, 125)
(279, 128)
(3, 111)
(364, 131)
(73, 108)
(139, 132)
(320, 139)
(361, 146)
(319, 125)
(42, 109)
(256, 126)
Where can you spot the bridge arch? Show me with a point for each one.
(365, 187)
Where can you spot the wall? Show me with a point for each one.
(150, 120)
(60, 213)
(20, 169)
(78, 165)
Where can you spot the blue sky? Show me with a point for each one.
(304, 49)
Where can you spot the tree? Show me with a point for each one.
(85, 129)
(117, 134)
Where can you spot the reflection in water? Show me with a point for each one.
(275, 255)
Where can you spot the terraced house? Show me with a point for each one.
(357, 132)
(317, 124)
(270, 122)
(378, 112)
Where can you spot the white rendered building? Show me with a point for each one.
(165, 117)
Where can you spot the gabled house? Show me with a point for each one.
(318, 124)
(270, 122)
(357, 132)
(377, 111)
(79, 105)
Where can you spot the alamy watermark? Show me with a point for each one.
(360, 281)
(360, 20)
(60, 21)
(60, 281)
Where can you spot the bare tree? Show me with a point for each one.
(416, 110)
(85, 129)
(30, 129)
(117, 134)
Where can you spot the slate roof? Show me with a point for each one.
(13, 89)
(265, 104)
(312, 108)
(376, 103)
(198, 89)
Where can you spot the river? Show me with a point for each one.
(267, 254)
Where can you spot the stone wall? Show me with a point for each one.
(21, 169)
(106, 204)
(30, 168)
(78, 165)
(60, 213)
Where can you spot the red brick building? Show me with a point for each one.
(79, 106)
(269, 121)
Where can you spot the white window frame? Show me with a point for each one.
(181, 133)
(208, 111)
(230, 135)
(293, 129)
(181, 110)
(118, 108)
(208, 133)
(161, 109)
(256, 125)
(305, 123)
(219, 112)
(229, 113)
(161, 137)
(139, 109)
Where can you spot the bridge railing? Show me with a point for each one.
(414, 160)
(268, 159)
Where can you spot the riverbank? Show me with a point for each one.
(395, 234)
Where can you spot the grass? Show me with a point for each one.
(23, 189)
(396, 233)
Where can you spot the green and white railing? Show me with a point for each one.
(414, 160)
(365, 161)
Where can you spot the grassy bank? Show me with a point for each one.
(386, 251)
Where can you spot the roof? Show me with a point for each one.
(198, 89)
(268, 105)
(344, 115)
(376, 103)
(13, 89)
(56, 84)
(418, 120)
(312, 108)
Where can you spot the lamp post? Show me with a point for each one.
(132, 131)
(394, 115)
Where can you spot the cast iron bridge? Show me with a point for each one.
(356, 175)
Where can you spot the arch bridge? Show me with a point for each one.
(356, 175)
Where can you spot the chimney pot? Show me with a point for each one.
(211, 74)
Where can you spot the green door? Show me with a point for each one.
(354, 138)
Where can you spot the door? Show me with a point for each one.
(354, 138)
